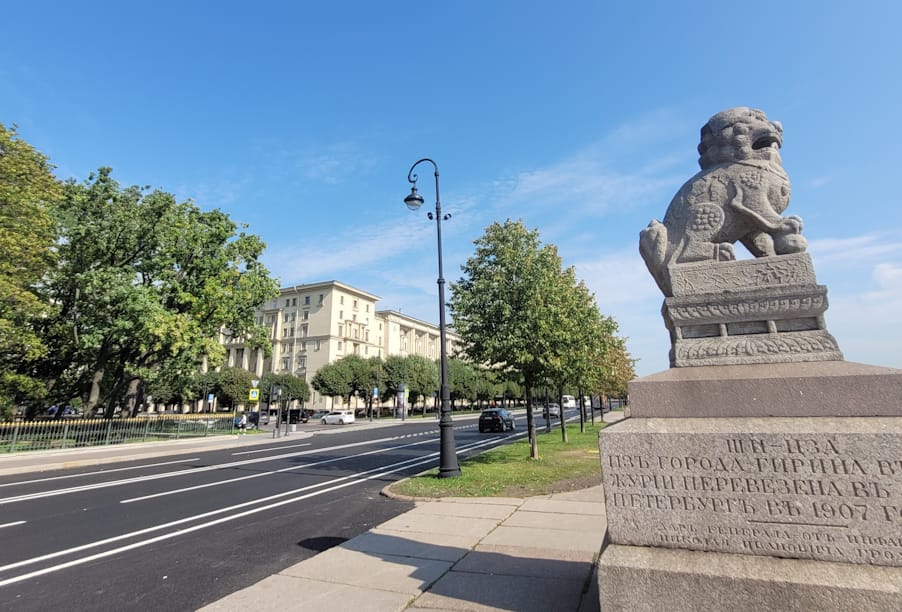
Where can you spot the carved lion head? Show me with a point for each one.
(737, 134)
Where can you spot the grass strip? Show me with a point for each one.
(507, 471)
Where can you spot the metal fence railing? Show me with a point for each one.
(69, 433)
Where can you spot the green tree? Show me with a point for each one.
(27, 235)
(293, 387)
(618, 368)
(334, 380)
(507, 307)
(462, 381)
(232, 386)
(394, 374)
(143, 281)
(351, 375)
(422, 378)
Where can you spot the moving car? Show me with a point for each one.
(552, 410)
(338, 417)
(496, 419)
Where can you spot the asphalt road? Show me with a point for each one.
(178, 532)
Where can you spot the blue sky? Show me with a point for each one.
(302, 119)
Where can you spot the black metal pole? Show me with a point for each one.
(448, 465)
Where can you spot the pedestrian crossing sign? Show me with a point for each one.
(254, 395)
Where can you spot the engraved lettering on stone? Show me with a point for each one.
(809, 496)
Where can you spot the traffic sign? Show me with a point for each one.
(254, 395)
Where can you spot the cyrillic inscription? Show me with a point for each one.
(835, 497)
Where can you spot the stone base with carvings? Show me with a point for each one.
(827, 489)
(756, 512)
(764, 310)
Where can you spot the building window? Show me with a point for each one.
(341, 299)
(286, 363)
(304, 346)
(320, 299)
(366, 350)
(356, 333)
(287, 303)
(340, 329)
(285, 318)
(316, 346)
(354, 317)
(294, 301)
(306, 300)
(339, 345)
(291, 332)
(302, 362)
(367, 307)
(306, 315)
(355, 303)
(304, 330)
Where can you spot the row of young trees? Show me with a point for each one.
(519, 311)
(108, 293)
(355, 376)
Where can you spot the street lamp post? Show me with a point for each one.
(448, 466)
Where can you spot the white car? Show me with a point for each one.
(552, 410)
(338, 417)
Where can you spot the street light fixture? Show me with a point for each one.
(448, 466)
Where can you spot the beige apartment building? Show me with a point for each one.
(316, 324)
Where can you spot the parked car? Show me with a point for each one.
(338, 417)
(496, 419)
(317, 415)
(296, 415)
(552, 410)
(256, 419)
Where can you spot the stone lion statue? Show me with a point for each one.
(737, 196)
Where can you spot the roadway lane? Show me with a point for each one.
(182, 531)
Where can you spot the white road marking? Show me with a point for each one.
(270, 473)
(114, 483)
(370, 475)
(266, 450)
(134, 467)
(13, 524)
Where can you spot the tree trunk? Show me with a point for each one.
(582, 411)
(531, 424)
(94, 393)
(132, 397)
(563, 411)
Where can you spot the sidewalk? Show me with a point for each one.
(529, 555)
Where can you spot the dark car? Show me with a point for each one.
(297, 415)
(496, 419)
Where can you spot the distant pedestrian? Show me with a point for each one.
(242, 424)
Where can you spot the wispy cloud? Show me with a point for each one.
(336, 163)
(853, 249)
(330, 257)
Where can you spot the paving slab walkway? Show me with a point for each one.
(476, 554)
